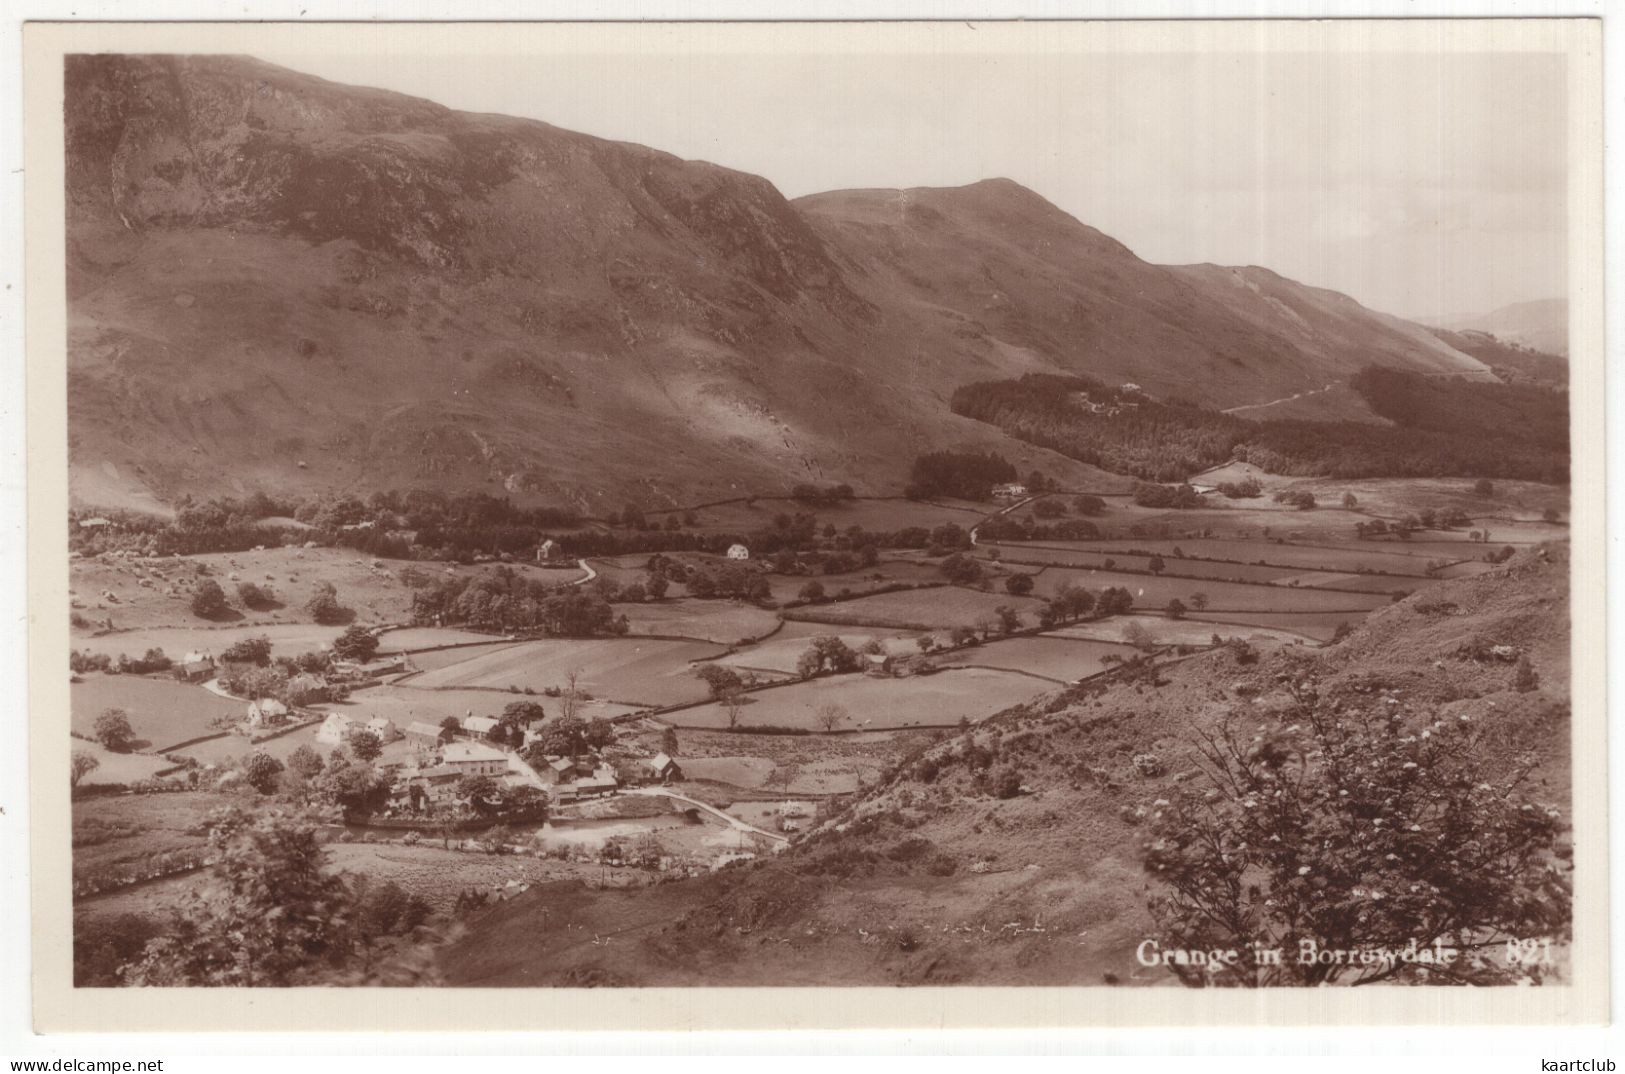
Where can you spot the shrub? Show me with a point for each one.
(208, 600)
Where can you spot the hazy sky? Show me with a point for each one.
(1419, 184)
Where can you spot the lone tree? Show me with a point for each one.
(113, 730)
(830, 716)
(1483, 487)
(1350, 501)
(366, 745)
(80, 765)
(1357, 831)
(719, 679)
(731, 704)
(1175, 609)
(1018, 585)
(1199, 600)
(262, 771)
(324, 606)
(1155, 565)
(305, 762)
(208, 599)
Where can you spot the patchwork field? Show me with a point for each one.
(918, 609)
(938, 700)
(162, 712)
(635, 670)
(1063, 659)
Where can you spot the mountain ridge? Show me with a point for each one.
(281, 282)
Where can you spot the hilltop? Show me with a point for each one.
(932, 878)
(278, 282)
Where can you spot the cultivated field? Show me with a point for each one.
(409, 639)
(917, 609)
(938, 700)
(635, 670)
(1062, 659)
(1027, 558)
(787, 587)
(162, 712)
(1344, 556)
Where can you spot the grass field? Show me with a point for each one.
(641, 670)
(115, 834)
(1063, 659)
(787, 587)
(1199, 568)
(722, 621)
(119, 767)
(408, 639)
(917, 609)
(1317, 626)
(162, 712)
(780, 652)
(1340, 556)
(874, 703)
(371, 588)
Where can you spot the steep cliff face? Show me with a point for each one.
(268, 269)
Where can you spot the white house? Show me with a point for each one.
(547, 550)
(423, 734)
(474, 759)
(1009, 491)
(336, 729)
(738, 551)
(266, 712)
(384, 728)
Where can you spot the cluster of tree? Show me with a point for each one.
(827, 654)
(269, 915)
(1302, 499)
(1248, 488)
(1180, 497)
(1011, 528)
(1442, 426)
(503, 599)
(153, 660)
(1328, 831)
(964, 475)
(822, 495)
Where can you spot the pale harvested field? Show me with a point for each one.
(646, 671)
(406, 703)
(287, 639)
(408, 639)
(1348, 556)
(1152, 593)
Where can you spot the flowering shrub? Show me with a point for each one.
(1356, 832)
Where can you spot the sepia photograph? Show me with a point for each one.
(928, 507)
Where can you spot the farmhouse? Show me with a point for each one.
(474, 759)
(197, 667)
(1009, 491)
(664, 769)
(336, 729)
(384, 728)
(738, 551)
(561, 769)
(878, 665)
(266, 712)
(547, 550)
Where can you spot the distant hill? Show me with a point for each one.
(277, 282)
(1541, 325)
(1510, 361)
